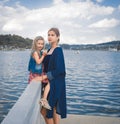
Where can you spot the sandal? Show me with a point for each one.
(44, 103)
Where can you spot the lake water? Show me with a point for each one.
(92, 81)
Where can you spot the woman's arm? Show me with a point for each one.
(40, 78)
(59, 65)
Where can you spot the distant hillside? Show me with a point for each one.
(8, 42)
(14, 41)
(113, 45)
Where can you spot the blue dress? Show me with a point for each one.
(56, 74)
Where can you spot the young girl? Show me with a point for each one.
(35, 66)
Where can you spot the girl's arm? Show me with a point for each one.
(37, 58)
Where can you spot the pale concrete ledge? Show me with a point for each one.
(83, 119)
(27, 109)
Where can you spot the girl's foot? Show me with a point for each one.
(44, 103)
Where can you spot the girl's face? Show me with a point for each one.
(40, 44)
(52, 37)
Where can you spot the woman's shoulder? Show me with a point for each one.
(58, 49)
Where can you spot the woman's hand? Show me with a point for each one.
(44, 77)
(39, 78)
(36, 79)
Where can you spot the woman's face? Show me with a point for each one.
(52, 37)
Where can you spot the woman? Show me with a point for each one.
(55, 73)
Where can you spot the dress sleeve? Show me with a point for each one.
(59, 65)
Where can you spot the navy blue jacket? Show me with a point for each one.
(56, 75)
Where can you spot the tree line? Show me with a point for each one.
(9, 42)
(14, 41)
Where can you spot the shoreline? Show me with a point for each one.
(88, 119)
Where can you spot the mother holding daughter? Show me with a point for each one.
(54, 68)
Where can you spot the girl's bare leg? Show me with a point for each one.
(46, 91)
(43, 100)
(43, 112)
(47, 120)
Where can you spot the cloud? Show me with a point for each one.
(76, 20)
(99, 1)
(119, 7)
(109, 38)
(105, 23)
(57, 1)
(2, 2)
(12, 25)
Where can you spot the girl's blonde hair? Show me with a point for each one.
(34, 47)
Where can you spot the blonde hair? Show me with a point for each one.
(34, 47)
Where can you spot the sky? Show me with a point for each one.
(79, 21)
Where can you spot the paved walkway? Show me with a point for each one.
(83, 119)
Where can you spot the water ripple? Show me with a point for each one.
(92, 81)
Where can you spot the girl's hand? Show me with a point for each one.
(44, 53)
